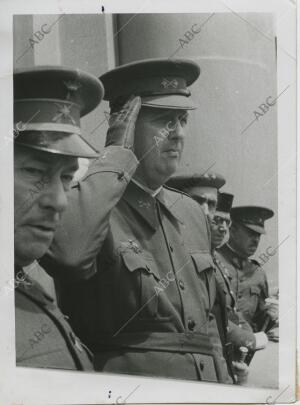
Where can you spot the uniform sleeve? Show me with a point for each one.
(85, 223)
(240, 336)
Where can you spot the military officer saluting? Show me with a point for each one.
(248, 280)
(147, 308)
(48, 104)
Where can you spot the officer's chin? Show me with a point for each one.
(217, 241)
(26, 254)
(252, 250)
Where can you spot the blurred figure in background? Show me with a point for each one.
(247, 279)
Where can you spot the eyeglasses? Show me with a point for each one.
(202, 200)
(218, 221)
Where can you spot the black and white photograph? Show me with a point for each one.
(149, 226)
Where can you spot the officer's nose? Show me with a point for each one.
(177, 131)
(223, 226)
(54, 195)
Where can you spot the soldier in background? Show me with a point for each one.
(204, 188)
(248, 281)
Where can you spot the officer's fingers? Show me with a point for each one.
(133, 109)
(128, 114)
(273, 313)
(240, 368)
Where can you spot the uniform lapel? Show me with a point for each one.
(143, 203)
(169, 200)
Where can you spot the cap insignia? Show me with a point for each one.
(72, 86)
(169, 83)
(64, 113)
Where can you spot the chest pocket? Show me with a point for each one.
(249, 300)
(141, 283)
(204, 266)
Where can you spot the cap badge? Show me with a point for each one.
(72, 86)
(64, 113)
(169, 84)
(209, 176)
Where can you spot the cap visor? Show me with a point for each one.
(175, 102)
(255, 228)
(69, 145)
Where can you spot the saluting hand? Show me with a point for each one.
(122, 124)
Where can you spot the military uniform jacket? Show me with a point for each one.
(248, 288)
(43, 336)
(239, 332)
(146, 306)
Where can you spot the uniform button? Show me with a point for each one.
(181, 284)
(191, 324)
(201, 364)
(231, 292)
(171, 248)
(121, 175)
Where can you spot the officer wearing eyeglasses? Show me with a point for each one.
(204, 188)
(248, 281)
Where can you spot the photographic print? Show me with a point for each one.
(153, 157)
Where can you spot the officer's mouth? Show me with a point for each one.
(42, 231)
(173, 152)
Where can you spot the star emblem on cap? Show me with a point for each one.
(209, 176)
(72, 86)
(64, 113)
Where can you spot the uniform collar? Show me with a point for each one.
(31, 288)
(148, 190)
(233, 256)
(145, 204)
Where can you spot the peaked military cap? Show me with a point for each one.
(252, 217)
(161, 83)
(201, 180)
(225, 201)
(48, 104)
